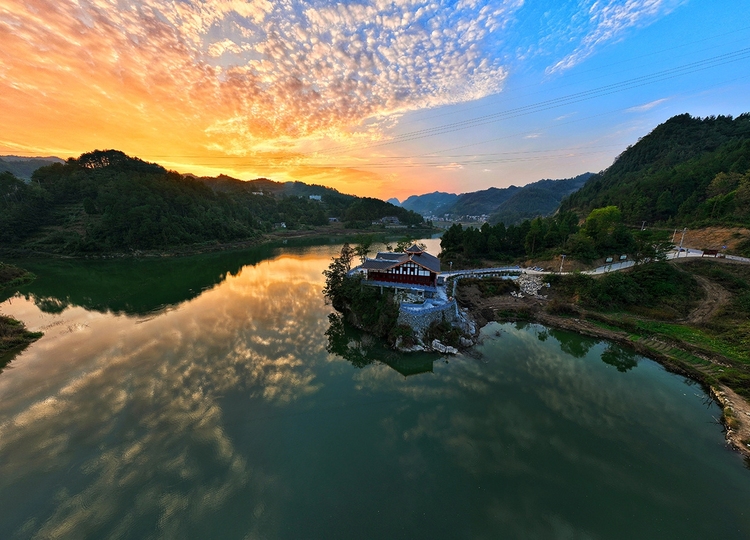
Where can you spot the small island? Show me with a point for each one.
(398, 295)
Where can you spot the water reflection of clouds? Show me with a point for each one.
(261, 331)
(491, 433)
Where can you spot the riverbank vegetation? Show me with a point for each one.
(12, 276)
(602, 234)
(692, 316)
(699, 307)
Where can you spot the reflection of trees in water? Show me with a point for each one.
(573, 344)
(362, 349)
(579, 346)
(620, 358)
(49, 304)
(343, 341)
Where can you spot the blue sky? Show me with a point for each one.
(691, 48)
(372, 97)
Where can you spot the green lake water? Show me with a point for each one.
(197, 398)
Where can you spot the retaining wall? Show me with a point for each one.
(421, 319)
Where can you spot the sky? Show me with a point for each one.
(374, 98)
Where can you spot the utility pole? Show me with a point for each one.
(643, 225)
(681, 240)
(673, 235)
(562, 262)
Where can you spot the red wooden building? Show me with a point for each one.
(413, 267)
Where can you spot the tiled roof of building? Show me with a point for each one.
(428, 261)
(385, 260)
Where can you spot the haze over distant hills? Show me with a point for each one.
(24, 167)
(509, 205)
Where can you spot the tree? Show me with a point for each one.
(336, 274)
(650, 246)
(362, 249)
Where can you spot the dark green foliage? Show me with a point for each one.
(13, 334)
(501, 243)
(336, 274)
(688, 170)
(656, 289)
(603, 234)
(23, 208)
(444, 332)
(366, 209)
(366, 306)
(107, 201)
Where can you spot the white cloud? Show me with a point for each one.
(647, 106)
(607, 21)
(242, 71)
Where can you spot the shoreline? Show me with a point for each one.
(735, 409)
(215, 247)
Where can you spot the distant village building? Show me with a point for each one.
(316, 198)
(413, 267)
(333, 220)
(387, 220)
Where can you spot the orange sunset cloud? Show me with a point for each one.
(250, 88)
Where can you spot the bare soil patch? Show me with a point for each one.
(716, 297)
(713, 238)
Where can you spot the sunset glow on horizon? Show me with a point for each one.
(372, 98)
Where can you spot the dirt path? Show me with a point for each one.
(716, 297)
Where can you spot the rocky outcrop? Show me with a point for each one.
(444, 349)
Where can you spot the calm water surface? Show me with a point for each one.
(197, 399)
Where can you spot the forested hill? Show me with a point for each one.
(106, 201)
(687, 171)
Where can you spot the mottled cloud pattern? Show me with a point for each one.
(189, 82)
(267, 72)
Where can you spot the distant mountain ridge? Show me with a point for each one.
(435, 203)
(24, 167)
(540, 198)
(509, 205)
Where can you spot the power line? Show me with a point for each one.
(628, 84)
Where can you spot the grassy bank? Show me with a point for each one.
(12, 276)
(13, 333)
